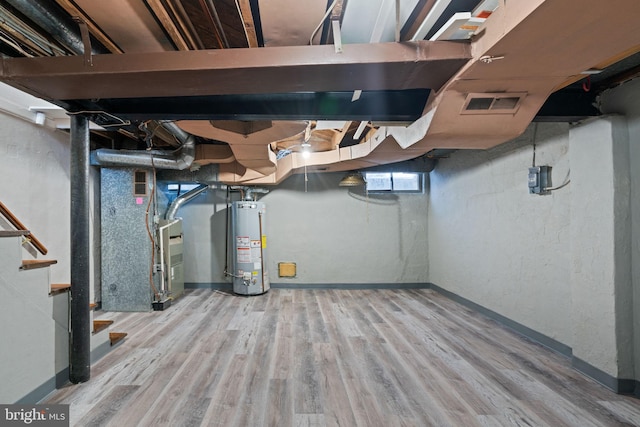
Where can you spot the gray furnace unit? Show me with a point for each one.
(170, 254)
(250, 275)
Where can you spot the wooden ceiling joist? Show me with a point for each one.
(184, 24)
(168, 24)
(418, 15)
(244, 9)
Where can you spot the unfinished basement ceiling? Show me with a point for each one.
(361, 82)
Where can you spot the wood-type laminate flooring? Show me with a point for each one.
(334, 358)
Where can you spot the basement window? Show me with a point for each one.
(394, 182)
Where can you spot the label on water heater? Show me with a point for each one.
(244, 255)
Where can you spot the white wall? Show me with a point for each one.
(624, 100)
(334, 235)
(564, 265)
(34, 185)
(492, 242)
(600, 246)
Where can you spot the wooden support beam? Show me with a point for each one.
(288, 69)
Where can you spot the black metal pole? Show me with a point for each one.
(80, 339)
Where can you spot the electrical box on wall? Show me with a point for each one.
(539, 179)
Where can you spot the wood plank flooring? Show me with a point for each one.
(333, 358)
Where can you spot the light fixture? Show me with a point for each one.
(306, 149)
(352, 179)
(40, 118)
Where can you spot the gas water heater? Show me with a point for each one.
(250, 275)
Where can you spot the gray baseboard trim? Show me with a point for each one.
(353, 286)
(291, 285)
(215, 286)
(525, 331)
(46, 388)
(100, 351)
(617, 385)
(39, 393)
(62, 377)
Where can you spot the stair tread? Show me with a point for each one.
(116, 337)
(92, 305)
(14, 233)
(58, 288)
(29, 264)
(99, 325)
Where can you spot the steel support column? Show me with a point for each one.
(80, 340)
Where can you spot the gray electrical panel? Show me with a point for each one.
(171, 261)
(539, 180)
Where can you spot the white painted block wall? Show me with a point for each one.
(559, 264)
(34, 327)
(623, 100)
(333, 234)
(492, 242)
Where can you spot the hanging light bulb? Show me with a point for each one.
(306, 150)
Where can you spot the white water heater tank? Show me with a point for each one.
(250, 275)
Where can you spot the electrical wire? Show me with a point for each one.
(566, 182)
(153, 242)
(122, 122)
(226, 240)
(335, 2)
(558, 187)
(535, 131)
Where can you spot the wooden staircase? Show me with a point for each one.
(29, 280)
(116, 337)
(59, 288)
(100, 325)
(30, 264)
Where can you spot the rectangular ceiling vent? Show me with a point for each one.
(493, 103)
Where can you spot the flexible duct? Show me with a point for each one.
(180, 159)
(181, 200)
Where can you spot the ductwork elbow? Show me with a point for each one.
(179, 160)
(181, 200)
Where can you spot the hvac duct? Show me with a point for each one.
(181, 200)
(250, 275)
(54, 22)
(180, 160)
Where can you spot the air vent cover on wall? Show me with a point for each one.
(493, 103)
